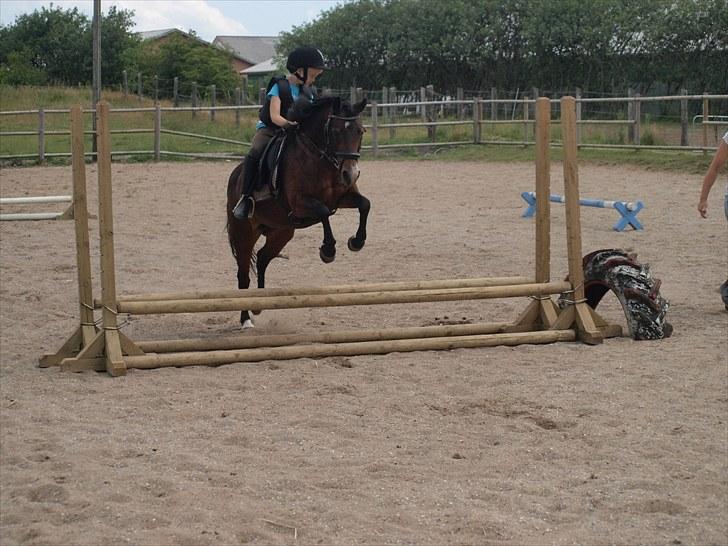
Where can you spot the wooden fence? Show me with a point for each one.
(476, 113)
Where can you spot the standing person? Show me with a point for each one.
(304, 65)
(719, 160)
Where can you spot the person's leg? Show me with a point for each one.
(244, 207)
(724, 286)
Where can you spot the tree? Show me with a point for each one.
(189, 59)
(54, 45)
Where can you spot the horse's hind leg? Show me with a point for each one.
(355, 200)
(275, 240)
(243, 238)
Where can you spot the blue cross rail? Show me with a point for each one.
(628, 210)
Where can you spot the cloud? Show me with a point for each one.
(206, 20)
(199, 15)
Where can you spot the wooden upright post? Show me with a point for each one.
(542, 312)
(577, 309)
(84, 335)
(114, 360)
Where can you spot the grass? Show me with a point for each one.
(29, 98)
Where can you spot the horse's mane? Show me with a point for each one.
(303, 109)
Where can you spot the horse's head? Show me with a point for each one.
(335, 127)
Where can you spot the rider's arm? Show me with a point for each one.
(275, 112)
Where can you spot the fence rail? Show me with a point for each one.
(383, 116)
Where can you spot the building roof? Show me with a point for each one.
(252, 49)
(147, 35)
(266, 67)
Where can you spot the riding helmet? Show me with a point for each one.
(305, 57)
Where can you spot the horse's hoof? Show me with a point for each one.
(248, 324)
(351, 243)
(257, 312)
(327, 259)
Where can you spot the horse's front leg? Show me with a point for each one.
(321, 212)
(355, 200)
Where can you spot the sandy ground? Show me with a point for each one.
(623, 443)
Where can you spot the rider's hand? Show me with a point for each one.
(290, 125)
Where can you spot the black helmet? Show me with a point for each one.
(305, 57)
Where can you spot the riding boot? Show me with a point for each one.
(245, 205)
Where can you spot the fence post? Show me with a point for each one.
(536, 95)
(431, 113)
(261, 96)
(238, 102)
(578, 117)
(375, 140)
(359, 94)
(493, 106)
(126, 83)
(139, 85)
(525, 119)
(41, 135)
(157, 130)
(194, 99)
(244, 94)
(156, 88)
(476, 119)
(637, 118)
(706, 115)
(630, 116)
(352, 95)
(212, 102)
(684, 119)
(175, 92)
(459, 96)
(392, 111)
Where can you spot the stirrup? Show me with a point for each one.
(241, 211)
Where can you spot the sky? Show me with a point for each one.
(209, 18)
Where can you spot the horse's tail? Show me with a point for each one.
(234, 191)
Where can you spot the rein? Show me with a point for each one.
(334, 158)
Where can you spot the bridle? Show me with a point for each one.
(336, 158)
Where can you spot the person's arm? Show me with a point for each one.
(719, 159)
(275, 112)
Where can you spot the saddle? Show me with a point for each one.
(267, 186)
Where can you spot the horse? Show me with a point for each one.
(317, 175)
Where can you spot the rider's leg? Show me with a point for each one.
(244, 207)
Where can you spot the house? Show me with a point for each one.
(245, 51)
(248, 50)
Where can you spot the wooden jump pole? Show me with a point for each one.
(334, 289)
(321, 350)
(337, 300)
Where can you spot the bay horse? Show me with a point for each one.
(317, 175)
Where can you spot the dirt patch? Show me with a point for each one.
(565, 443)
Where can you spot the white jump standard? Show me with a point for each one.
(106, 348)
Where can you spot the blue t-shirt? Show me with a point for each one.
(275, 92)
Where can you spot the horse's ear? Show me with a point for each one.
(358, 108)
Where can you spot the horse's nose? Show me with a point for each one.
(350, 174)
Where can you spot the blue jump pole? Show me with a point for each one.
(627, 210)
